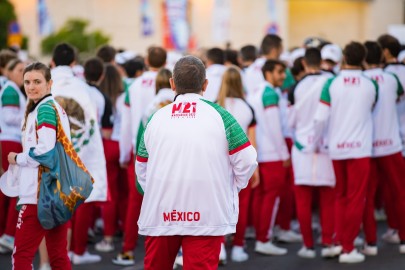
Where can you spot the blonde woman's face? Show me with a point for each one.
(36, 86)
(16, 75)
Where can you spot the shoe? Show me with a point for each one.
(222, 255)
(70, 255)
(45, 266)
(402, 248)
(86, 258)
(352, 257)
(306, 253)
(7, 241)
(238, 254)
(390, 236)
(369, 250)
(268, 248)
(358, 241)
(330, 252)
(179, 258)
(288, 236)
(104, 246)
(4, 250)
(124, 259)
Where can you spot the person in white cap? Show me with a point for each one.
(331, 58)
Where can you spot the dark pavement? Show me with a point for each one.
(387, 259)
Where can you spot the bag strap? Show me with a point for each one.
(67, 144)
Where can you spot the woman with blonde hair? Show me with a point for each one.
(232, 98)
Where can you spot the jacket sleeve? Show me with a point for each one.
(273, 125)
(322, 113)
(10, 103)
(46, 132)
(141, 164)
(125, 140)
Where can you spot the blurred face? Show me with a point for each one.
(16, 75)
(277, 76)
(36, 85)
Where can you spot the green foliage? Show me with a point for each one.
(74, 33)
(7, 15)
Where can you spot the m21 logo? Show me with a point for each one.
(351, 80)
(184, 110)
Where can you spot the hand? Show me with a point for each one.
(287, 163)
(124, 165)
(255, 180)
(12, 158)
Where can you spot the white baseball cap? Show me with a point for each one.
(297, 53)
(122, 57)
(332, 52)
(10, 181)
(401, 56)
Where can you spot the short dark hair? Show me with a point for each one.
(156, 56)
(189, 75)
(231, 56)
(269, 42)
(354, 53)
(297, 66)
(216, 55)
(248, 53)
(107, 53)
(63, 55)
(271, 64)
(132, 66)
(93, 69)
(391, 43)
(313, 57)
(374, 52)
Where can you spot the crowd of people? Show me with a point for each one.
(327, 123)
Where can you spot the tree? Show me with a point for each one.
(7, 15)
(74, 33)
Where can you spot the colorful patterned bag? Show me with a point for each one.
(64, 182)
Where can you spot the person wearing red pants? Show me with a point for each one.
(12, 107)
(39, 135)
(387, 162)
(273, 156)
(232, 98)
(347, 101)
(313, 168)
(192, 160)
(73, 94)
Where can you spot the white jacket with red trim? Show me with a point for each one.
(192, 160)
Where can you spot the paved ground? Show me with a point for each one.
(388, 258)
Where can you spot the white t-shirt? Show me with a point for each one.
(242, 112)
(386, 136)
(347, 100)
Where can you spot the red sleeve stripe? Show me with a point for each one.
(141, 159)
(270, 106)
(11, 105)
(325, 102)
(239, 148)
(46, 125)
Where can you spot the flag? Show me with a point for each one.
(44, 20)
(147, 18)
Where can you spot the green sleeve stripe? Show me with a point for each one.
(289, 79)
(235, 136)
(376, 89)
(298, 145)
(10, 97)
(325, 95)
(126, 100)
(46, 116)
(400, 89)
(142, 154)
(269, 98)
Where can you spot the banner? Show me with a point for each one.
(147, 18)
(176, 29)
(45, 23)
(221, 20)
(272, 27)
